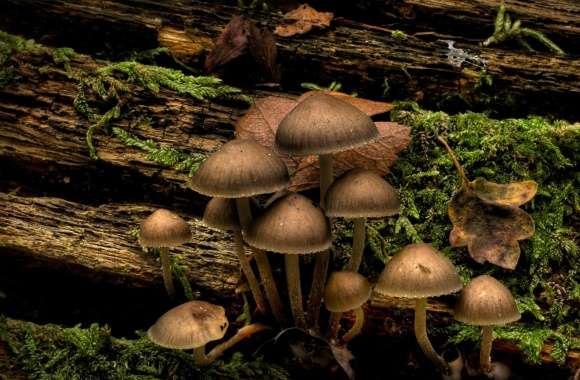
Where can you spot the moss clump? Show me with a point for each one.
(546, 278)
(110, 87)
(56, 353)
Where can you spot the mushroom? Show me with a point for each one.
(194, 324)
(221, 213)
(164, 229)
(322, 125)
(486, 302)
(241, 169)
(346, 291)
(291, 225)
(360, 194)
(419, 271)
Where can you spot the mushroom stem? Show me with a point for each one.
(423, 339)
(333, 325)
(317, 288)
(243, 333)
(358, 244)
(294, 290)
(249, 273)
(325, 162)
(485, 352)
(245, 215)
(322, 258)
(166, 269)
(200, 357)
(359, 320)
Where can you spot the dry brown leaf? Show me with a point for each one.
(301, 20)
(261, 122)
(511, 194)
(489, 230)
(231, 43)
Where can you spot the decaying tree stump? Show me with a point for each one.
(367, 59)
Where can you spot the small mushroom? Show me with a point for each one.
(322, 125)
(486, 302)
(346, 291)
(360, 194)
(164, 229)
(241, 169)
(291, 225)
(194, 324)
(419, 271)
(221, 213)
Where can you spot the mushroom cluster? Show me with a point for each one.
(293, 226)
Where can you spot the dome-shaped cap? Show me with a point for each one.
(323, 124)
(222, 213)
(486, 301)
(241, 168)
(346, 291)
(361, 193)
(418, 271)
(291, 224)
(190, 325)
(163, 229)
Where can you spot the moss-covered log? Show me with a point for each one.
(101, 241)
(370, 60)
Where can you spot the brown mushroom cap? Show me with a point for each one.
(346, 291)
(486, 301)
(241, 168)
(324, 124)
(361, 193)
(189, 325)
(221, 213)
(293, 225)
(163, 229)
(418, 271)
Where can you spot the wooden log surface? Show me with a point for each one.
(41, 134)
(362, 58)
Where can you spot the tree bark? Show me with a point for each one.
(100, 240)
(359, 56)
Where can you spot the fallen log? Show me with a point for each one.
(368, 59)
(100, 241)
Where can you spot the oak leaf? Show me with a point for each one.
(301, 20)
(261, 122)
(487, 219)
(489, 230)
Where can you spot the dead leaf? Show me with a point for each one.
(490, 231)
(262, 47)
(486, 217)
(343, 357)
(230, 44)
(511, 194)
(301, 20)
(261, 122)
(239, 37)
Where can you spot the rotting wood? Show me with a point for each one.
(361, 59)
(100, 240)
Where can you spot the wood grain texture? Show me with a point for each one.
(101, 240)
(353, 54)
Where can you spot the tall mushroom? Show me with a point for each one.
(164, 229)
(322, 125)
(291, 225)
(242, 169)
(221, 213)
(486, 302)
(194, 324)
(359, 194)
(419, 271)
(346, 291)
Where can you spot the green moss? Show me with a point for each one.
(54, 353)
(546, 280)
(10, 45)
